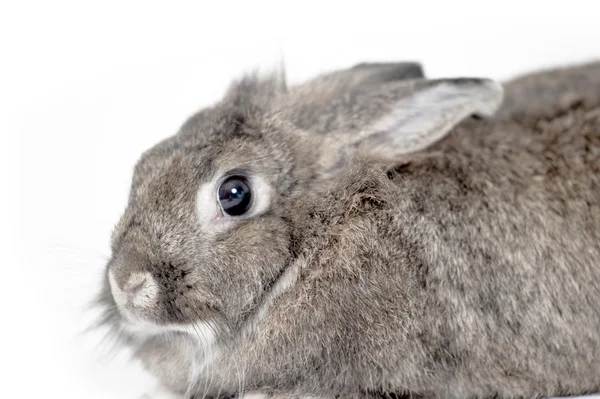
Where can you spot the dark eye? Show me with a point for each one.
(235, 196)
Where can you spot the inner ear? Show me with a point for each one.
(412, 122)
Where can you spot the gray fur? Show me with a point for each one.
(470, 269)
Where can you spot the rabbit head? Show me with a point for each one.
(218, 211)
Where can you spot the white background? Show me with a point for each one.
(85, 88)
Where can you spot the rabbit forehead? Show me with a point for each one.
(206, 150)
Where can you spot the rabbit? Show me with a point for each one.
(361, 236)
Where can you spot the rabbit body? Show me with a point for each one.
(469, 268)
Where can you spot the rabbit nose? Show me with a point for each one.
(138, 290)
(134, 286)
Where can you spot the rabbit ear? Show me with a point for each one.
(409, 119)
(367, 73)
(370, 73)
(314, 105)
(404, 118)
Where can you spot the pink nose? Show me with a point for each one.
(138, 290)
(134, 288)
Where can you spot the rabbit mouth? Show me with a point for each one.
(138, 309)
(201, 332)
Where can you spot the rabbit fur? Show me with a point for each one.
(398, 247)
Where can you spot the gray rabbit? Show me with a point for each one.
(360, 235)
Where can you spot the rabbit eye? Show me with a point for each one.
(235, 196)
